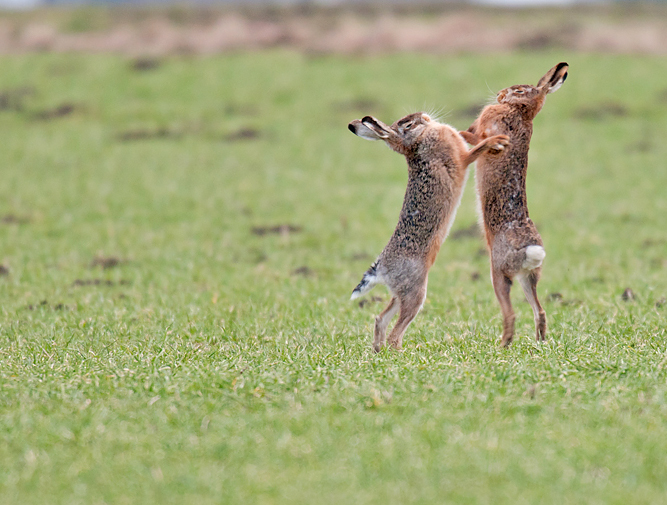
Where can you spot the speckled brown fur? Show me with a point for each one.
(437, 161)
(501, 190)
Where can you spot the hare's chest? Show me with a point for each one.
(510, 125)
(426, 196)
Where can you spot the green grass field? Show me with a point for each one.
(160, 343)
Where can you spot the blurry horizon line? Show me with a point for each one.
(30, 4)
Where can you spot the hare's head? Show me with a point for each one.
(402, 136)
(533, 96)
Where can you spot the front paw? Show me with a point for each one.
(501, 142)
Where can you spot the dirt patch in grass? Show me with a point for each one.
(13, 99)
(369, 301)
(145, 64)
(281, 229)
(60, 111)
(106, 262)
(303, 271)
(148, 134)
(257, 256)
(243, 134)
(14, 219)
(44, 304)
(98, 282)
(559, 298)
(643, 146)
(234, 109)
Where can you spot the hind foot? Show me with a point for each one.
(506, 340)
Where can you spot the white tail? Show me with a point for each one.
(535, 255)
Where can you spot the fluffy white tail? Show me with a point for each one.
(534, 257)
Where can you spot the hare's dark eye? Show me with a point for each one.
(408, 126)
(519, 91)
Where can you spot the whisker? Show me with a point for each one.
(492, 97)
(437, 114)
(442, 114)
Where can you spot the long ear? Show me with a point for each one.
(370, 128)
(554, 78)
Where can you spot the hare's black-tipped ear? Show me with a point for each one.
(554, 78)
(371, 128)
(383, 131)
(368, 128)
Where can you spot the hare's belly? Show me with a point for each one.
(418, 226)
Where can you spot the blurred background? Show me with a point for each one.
(201, 27)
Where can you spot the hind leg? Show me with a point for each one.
(502, 285)
(411, 304)
(528, 282)
(381, 323)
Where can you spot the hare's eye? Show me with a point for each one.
(519, 91)
(408, 126)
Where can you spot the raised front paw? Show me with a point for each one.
(500, 143)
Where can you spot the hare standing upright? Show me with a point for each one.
(437, 159)
(514, 245)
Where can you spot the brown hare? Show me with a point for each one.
(437, 159)
(514, 245)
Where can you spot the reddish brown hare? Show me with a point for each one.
(514, 245)
(437, 159)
